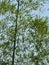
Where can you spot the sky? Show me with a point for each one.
(43, 11)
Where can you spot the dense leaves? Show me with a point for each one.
(32, 36)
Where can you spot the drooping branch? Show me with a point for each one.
(15, 34)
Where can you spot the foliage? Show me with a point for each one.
(32, 36)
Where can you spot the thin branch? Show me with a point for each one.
(15, 35)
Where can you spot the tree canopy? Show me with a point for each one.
(24, 37)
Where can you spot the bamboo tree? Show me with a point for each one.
(15, 34)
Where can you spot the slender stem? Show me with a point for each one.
(15, 35)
